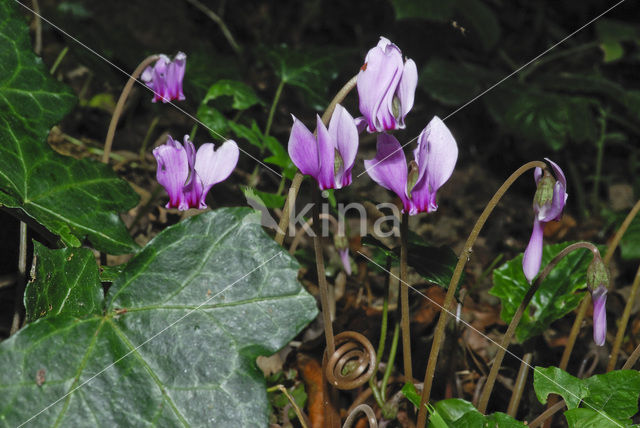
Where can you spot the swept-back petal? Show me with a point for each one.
(342, 129)
(557, 171)
(213, 166)
(303, 149)
(533, 254)
(377, 82)
(599, 297)
(160, 88)
(172, 172)
(175, 75)
(327, 147)
(389, 167)
(407, 89)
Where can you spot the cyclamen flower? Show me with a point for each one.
(188, 176)
(329, 157)
(386, 87)
(435, 159)
(599, 297)
(165, 78)
(548, 204)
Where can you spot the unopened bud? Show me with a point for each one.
(544, 192)
(340, 241)
(597, 274)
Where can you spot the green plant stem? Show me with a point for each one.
(147, 137)
(120, 105)
(404, 299)
(301, 417)
(622, 326)
(511, 330)
(322, 279)
(575, 329)
(392, 358)
(22, 277)
(633, 358)
(383, 339)
(518, 388)
(292, 195)
(599, 158)
(59, 59)
(453, 284)
(556, 55)
(218, 20)
(272, 110)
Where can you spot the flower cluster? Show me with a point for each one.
(187, 175)
(165, 78)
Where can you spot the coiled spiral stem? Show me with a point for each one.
(353, 362)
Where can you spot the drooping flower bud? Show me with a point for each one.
(165, 78)
(598, 283)
(342, 245)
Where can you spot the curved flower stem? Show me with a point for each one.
(453, 285)
(575, 329)
(633, 358)
(120, 105)
(506, 340)
(301, 416)
(404, 298)
(623, 322)
(292, 195)
(322, 279)
(521, 380)
(368, 411)
(272, 110)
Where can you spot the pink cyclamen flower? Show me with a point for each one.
(435, 159)
(548, 204)
(386, 87)
(344, 256)
(329, 157)
(599, 297)
(188, 176)
(165, 78)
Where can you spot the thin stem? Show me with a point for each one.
(120, 105)
(272, 110)
(404, 298)
(623, 322)
(305, 227)
(22, 276)
(380, 399)
(511, 330)
(518, 388)
(37, 49)
(59, 59)
(392, 358)
(633, 358)
(552, 57)
(322, 280)
(453, 285)
(147, 137)
(547, 414)
(301, 417)
(368, 411)
(582, 311)
(223, 27)
(599, 158)
(297, 179)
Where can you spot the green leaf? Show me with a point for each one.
(434, 264)
(483, 22)
(630, 242)
(266, 199)
(72, 198)
(111, 273)
(453, 83)
(177, 342)
(611, 30)
(253, 135)
(431, 10)
(243, 96)
(542, 117)
(612, 51)
(458, 413)
(552, 380)
(411, 393)
(66, 283)
(615, 393)
(557, 295)
(588, 418)
(311, 69)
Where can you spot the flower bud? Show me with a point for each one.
(597, 274)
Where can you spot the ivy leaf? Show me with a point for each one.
(66, 283)
(615, 393)
(557, 295)
(552, 380)
(588, 418)
(431, 10)
(72, 198)
(177, 340)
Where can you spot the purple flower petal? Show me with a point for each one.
(407, 89)
(327, 147)
(175, 75)
(377, 82)
(303, 149)
(342, 129)
(599, 297)
(344, 256)
(557, 172)
(389, 167)
(213, 166)
(361, 123)
(172, 172)
(533, 254)
(436, 156)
